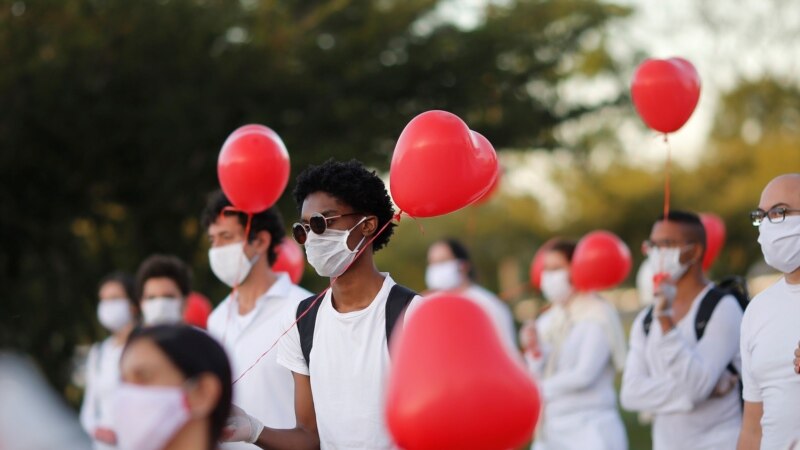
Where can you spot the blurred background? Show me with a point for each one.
(112, 114)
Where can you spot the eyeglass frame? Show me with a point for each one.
(308, 227)
(756, 221)
(649, 244)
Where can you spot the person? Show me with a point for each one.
(163, 283)
(450, 269)
(769, 329)
(118, 312)
(684, 379)
(175, 392)
(339, 382)
(575, 349)
(250, 318)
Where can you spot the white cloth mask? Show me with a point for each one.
(556, 286)
(230, 263)
(148, 417)
(667, 260)
(780, 243)
(644, 283)
(443, 276)
(114, 313)
(162, 310)
(328, 252)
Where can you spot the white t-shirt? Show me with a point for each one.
(102, 378)
(770, 332)
(267, 391)
(673, 375)
(348, 370)
(497, 310)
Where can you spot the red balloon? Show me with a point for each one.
(665, 92)
(290, 259)
(197, 310)
(537, 264)
(493, 187)
(439, 165)
(601, 261)
(453, 384)
(253, 168)
(715, 237)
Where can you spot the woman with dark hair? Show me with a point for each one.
(118, 312)
(175, 392)
(574, 350)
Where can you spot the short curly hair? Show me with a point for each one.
(164, 266)
(351, 183)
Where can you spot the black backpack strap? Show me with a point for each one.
(706, 308)
(648, 321)
(306, 324)
(399, 298)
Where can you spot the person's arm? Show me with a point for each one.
(88, 412)
(304, 435)
(594, 354)
(750, 435)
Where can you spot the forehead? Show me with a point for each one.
(667, 230)
(160, 286)
(781, 192)
(439, 252)
(554, 259)
(225, 223)
(144, 360)
(112, 289)
(323, 203)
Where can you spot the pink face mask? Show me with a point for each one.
(148, 417)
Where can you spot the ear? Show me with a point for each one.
(203, 395)
(262, 241)
(369, 226)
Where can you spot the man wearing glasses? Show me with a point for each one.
(771, 326)
(684, 378)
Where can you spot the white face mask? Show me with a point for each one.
(443, 276)
(230, 264)
(667, 260)
(780, 243)
(114, 313)
(162, 310)
(555, 284)
(148, 417)
(644, 283)
(328, 252)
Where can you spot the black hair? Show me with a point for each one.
(690, 222)
(564, 246)
(164, 266)
(194, 353)
(460, 252)
(269, 220)
(354, 185)
(128, 284)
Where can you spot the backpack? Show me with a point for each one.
(399, 298)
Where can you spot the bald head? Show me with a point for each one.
(783, 190)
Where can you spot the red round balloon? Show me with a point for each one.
(715, 237)
(453, 384)
(290, 259)
(665, 92)
(537, 264)
(253, 168)
(197, 310)
(601, 261)
(439, 165)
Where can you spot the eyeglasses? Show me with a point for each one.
(316, 223)
(774, 215)
(649, 245)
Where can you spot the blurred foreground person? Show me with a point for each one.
(175, 392)
(118, 312)
(574, 349)
(163, 282)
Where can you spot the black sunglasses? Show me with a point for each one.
(316, 223)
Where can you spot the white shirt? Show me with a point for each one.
(349, 369)
(266, 392)
(497, 310)
(102, 378)
(673, 375)
(770, 332)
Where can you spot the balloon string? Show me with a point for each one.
(321, 295)
(667, 169)
(235, 288)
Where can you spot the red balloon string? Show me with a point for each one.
(234, 290)
(321, 295)
(667, 169)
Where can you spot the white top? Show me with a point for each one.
(673, 375)
(267, 391)
(102, 378)
(770, 333)
(348, 370)
(497, 310)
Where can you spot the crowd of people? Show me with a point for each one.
(284, 368)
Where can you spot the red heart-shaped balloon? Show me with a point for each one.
(665, 92)
(439, 165)
(453, 384)
(715, 237)
(290, 259)
(601, 261)
(253, 168)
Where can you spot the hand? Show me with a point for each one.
(664, 294)
(241, 427)
(797, 359)
(726, 383)
(529, 339)
(105, 435)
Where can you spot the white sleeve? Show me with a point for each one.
(593, 356)
(698, 367)
(750, 390)
(643, 391)
(88, 412)
(290, 353)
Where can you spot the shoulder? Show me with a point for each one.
(217, 317)
(297, 294)
(762, 304)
